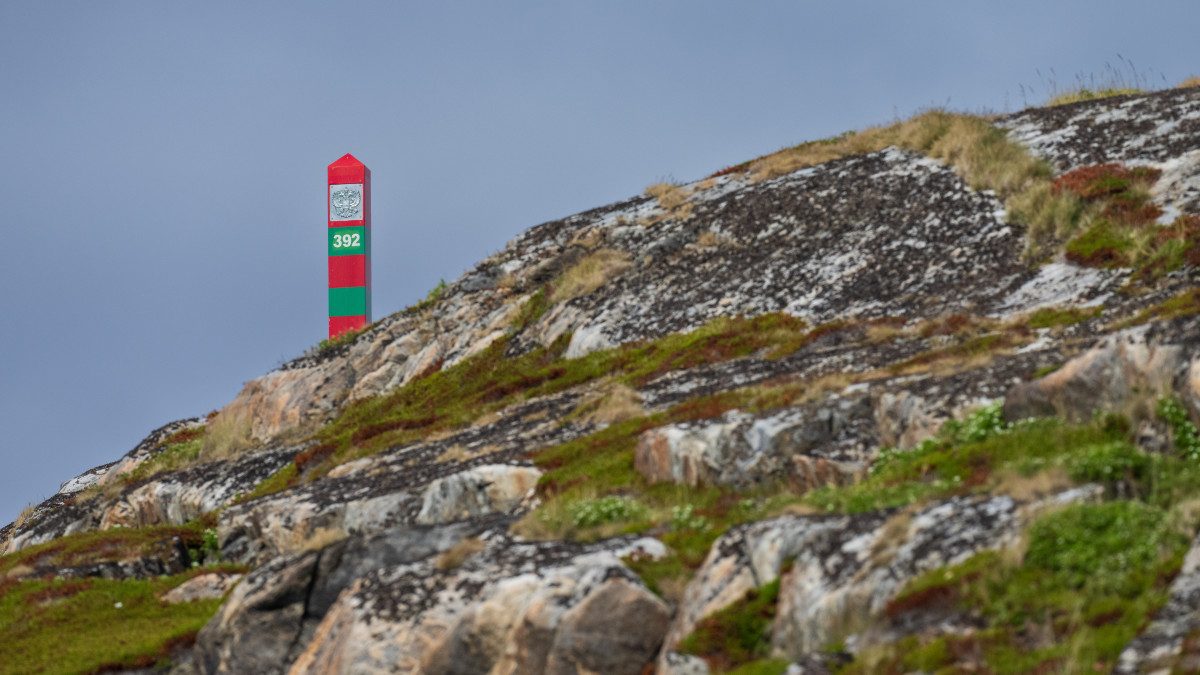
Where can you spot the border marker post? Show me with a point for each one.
(349, 244)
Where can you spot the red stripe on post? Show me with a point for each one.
(348, 271)
(341, 324)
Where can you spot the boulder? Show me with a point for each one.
(512, 608)
(482, 490)
(809, 446)
(1124, 371)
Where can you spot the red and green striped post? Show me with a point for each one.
(349, 246)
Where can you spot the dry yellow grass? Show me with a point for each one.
(488, 418)
(229, 433)
(893, 535)
(458, 554)
(669, 196)
(1193, 81)
(1032, 488)
(18, 571)
(590, 273)
(461, 453)
(619, 403)
(590, 239)
(708, 239)
(674, 201)
(879, 333)
(324, 537)
(1049, 217)
(24, 516)
(979, 152)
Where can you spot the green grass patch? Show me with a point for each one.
(1104, 244)
(279, 481)
(1183, 432)
(1090, 576)
(532, 310)
(1116, 208)
(81, 626)
(738, 634)
(1046, 370)
(174, 456)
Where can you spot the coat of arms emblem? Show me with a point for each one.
(346, 202)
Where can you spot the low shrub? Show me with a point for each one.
(1099, 545)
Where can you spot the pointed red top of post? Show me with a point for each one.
(347, 170)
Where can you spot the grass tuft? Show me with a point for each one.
(738, 634)
(588, 274)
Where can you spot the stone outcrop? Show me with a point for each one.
(808, 446)
(511, 608)
(1125, 369)
(844, 569)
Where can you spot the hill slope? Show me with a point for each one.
(916, 398)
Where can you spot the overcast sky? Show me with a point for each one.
(163, 163)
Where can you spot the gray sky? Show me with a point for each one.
(162, 184)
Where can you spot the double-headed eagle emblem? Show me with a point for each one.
(346, 202)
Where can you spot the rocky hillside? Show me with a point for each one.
(920, 398)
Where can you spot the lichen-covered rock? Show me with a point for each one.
(482, 490)
(809, 446)
(846, 568)
(308, 391)
(269, 615)
(429, 482)
(512, 608)
(1125, 369)
(1139, 128)
(169, 498)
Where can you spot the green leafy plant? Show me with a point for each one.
(609, 509)
(1183, 431)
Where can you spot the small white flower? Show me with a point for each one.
(119, 605)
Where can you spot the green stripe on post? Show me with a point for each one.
(349, 241)
(349, 301)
